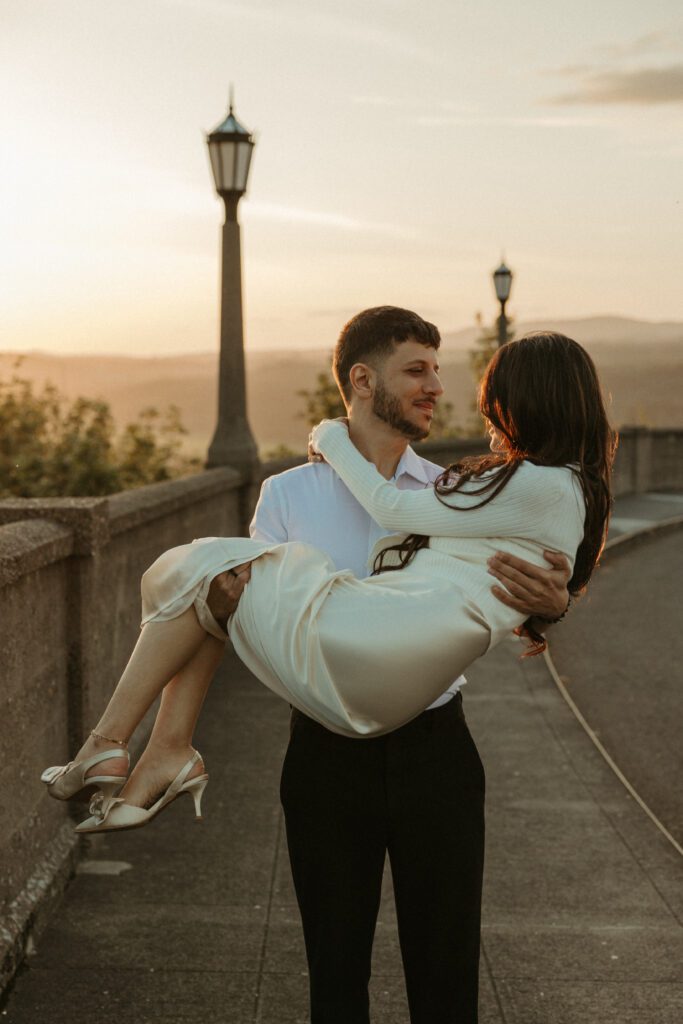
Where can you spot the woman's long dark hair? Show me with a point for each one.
(542, 394)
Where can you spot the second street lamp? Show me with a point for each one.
(230, 149)
(502, 280)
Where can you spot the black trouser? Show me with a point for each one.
(418, 794)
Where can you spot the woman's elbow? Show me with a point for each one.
(383, 516)
(391, 516)
(395, 524)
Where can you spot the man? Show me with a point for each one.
(416, 794)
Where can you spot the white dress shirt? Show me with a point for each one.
(311, 504)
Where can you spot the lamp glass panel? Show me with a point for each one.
(502, 282)
(242, 165)
(228, 159)
(215, 157)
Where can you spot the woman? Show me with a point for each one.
(301, 627)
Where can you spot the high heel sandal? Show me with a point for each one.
(119, 815)
(69, 781)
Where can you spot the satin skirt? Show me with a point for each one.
(362, 657)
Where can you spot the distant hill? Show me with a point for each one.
(588, 331)
(641, 365)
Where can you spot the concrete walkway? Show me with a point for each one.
(197, 923)
(635, 702)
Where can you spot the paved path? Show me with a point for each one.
(629, 684)
(185, 923)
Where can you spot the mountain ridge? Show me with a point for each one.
(597, 329)
(641, 370)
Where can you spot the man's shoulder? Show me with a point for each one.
(309, 474)
(316, 475)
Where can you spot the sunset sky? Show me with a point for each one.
(402, 147)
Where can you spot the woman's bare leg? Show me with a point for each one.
(162, 651)
(170, 743)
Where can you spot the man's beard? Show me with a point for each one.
(388, 409)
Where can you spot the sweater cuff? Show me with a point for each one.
(324, 434)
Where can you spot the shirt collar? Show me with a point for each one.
(411, 464)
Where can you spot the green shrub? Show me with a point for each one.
(52, 446)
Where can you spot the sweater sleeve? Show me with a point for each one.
(516, 512)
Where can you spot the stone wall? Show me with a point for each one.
(649, 460)
(70, 598)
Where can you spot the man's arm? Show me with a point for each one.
(270, 518)
(268, 524)
(541, 594)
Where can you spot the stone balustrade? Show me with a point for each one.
(69, 590)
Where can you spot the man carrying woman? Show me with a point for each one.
(365, 661)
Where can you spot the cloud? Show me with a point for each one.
(457, 120)
(263, 14)
(661, 41)
(568, 70)
(445, 114)
(310, 19)
(645, 86)
(320, 218)
(376, 101)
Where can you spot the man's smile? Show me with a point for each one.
(426, 406)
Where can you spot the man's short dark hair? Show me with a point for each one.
(370, 336)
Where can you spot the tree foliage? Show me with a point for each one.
(443, 424)
(324, 402)
(479, 358)
(486, 345)
(52, 446)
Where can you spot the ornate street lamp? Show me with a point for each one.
(502, 281)
(230, 148)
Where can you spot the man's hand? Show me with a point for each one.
(225, 592)
(529, 589)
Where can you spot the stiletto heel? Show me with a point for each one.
(69, 781)
(119, 815)
(196, 788)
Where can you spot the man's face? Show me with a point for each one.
(407, 388)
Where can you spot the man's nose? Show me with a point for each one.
(433, 385)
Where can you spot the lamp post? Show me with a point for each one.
(502, 281)
(230, 149)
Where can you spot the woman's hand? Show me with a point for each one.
(313, 438)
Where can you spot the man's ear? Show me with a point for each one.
(362, 380)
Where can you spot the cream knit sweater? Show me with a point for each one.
(541, 507)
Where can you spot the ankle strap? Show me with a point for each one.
(180, 778)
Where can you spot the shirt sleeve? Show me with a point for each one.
(269, 522)
(517, 511)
